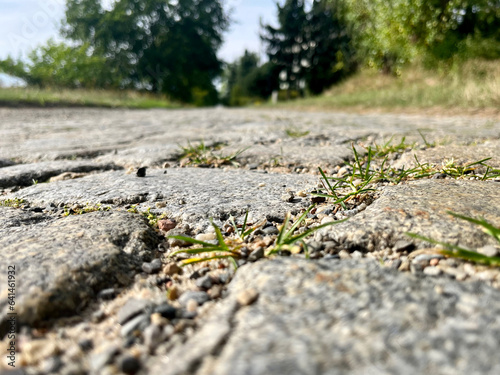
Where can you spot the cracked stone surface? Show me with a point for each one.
(27, 174)
(334, 317)
(189, 194)
(421, 207)
(62, 263)
(48, 134)
(79, 276)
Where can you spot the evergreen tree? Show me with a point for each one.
(286, 45)
(313, 49)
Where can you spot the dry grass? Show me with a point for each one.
(474, 85)
(29, 96)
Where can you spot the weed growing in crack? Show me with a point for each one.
(150, 216)
(293, 132)
(231, 248)
(204, 156)
(369, 169)
(459, 252)
(14, 203)
(224, 249)
(287, 238)
(85, 210)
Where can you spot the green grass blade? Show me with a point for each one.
(220, 238)
(281, 233)
(192, 240)
(459, 252)
(185, 262)
(303, 235)
(297, 223)
(487, 227)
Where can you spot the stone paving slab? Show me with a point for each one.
(190, 194)
(459, 154)
(420, 207)
(338, 317)
(316, 317)
(48, 134)
(27, 174)
(62, 263)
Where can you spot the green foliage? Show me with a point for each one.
(459, 252)
(230, 248)
(157, 45)
(203, 155)
(14, 203)
(60, 65)
(391, 33)
(150, 216)
(85, 210)
(224, 249)
(287, 238)
(370, 168)
(246, 82)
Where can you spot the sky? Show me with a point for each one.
(25, 24)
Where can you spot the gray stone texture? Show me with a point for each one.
(421, 207)
(205, 192)
(128, 137)
(29, 174)
(61, 264)
(339, 317)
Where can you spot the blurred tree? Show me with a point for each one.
(390, 33)
(286, 45)
(65, 66)
(164, 45)
(313, 49)
(245, 81)
(330, 54)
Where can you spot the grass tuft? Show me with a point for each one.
(204, 156)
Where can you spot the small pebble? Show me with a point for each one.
(199, 296)
(256, 254)
(403, 245)
(140, 322)
(152, 267)
(141, 172)
(86, 344)
(432, 271)
(191, 305)
(131, 309)
(204, 282)
(206, 237)
(99, 360)
(269, 231)
(247, 297)
(107, 294)
(199, 273)
(166, 311)
(172, 269)
(489, 250)
(129, 365)
(166, 224)
(152, 336)
(160, 204)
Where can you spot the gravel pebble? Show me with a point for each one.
(132, 308)
(432, 271)
(247, 296)
(172, 269)
(129, 364)
(152, 267)
(199, 296)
